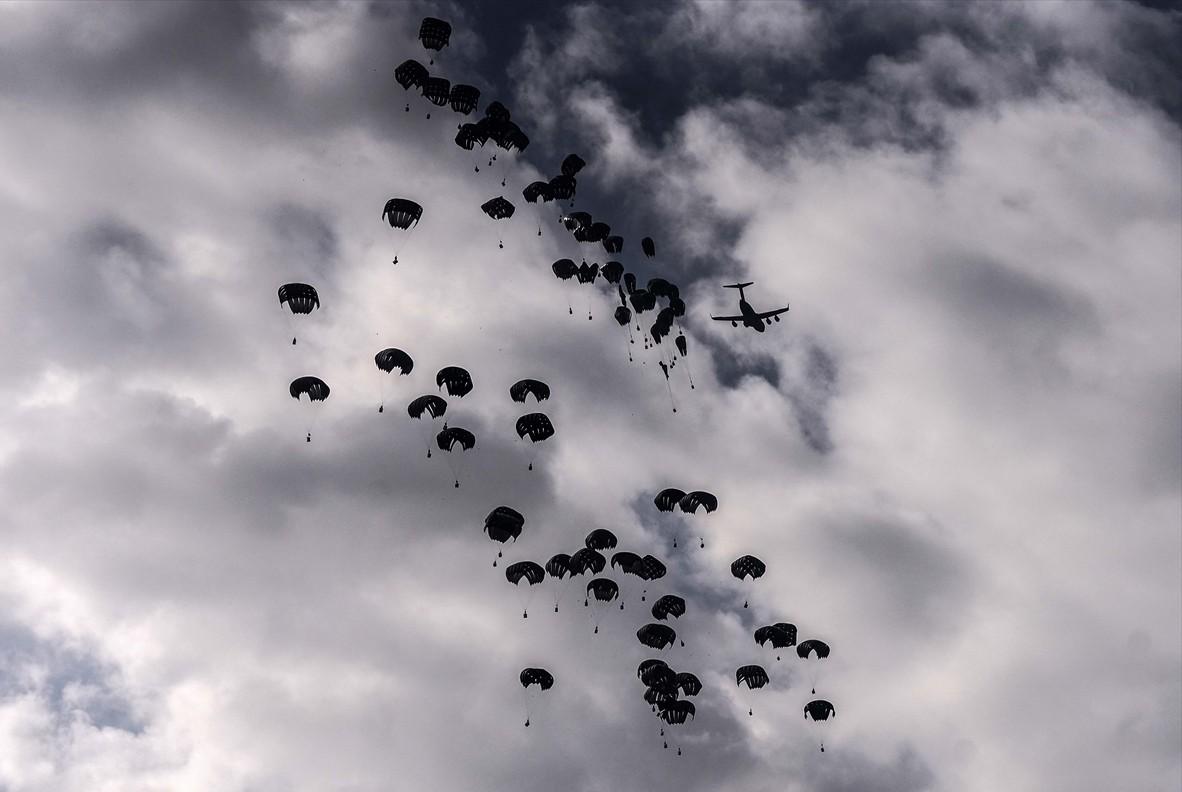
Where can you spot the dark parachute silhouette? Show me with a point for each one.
(812, 646)
(471, 135)
(502, 524)
(434, 33)
(540, 680)
(457, 381)
(623, 315)
(668, 605)
(532, 574)
(449, 439)
(657, 636)
(538, 190)
(431, 406)
(649, 248)
(587, 272)
(753, 676)
(642, 300)
(498, 208)
(601, 591)
(612, 271)
(629, 283)
(565, 269)
(437, 91)
(662, 288)
(613, 244)
(601, 539)
(676, 712)
(312, 387)
(689, 684)
(648, 568)
(402, 213)
(497, 112)
(523, 388)
(747, 566)
(665, 691)
(464, 98)
(537, 427)
(563, 187)
(681, 344)
(819, 710)
(651, 671)
(690, 502)
(389, 359)
(668, 498)
(779, 635)
(624, 560)
(411, 74)
(558, 568)
(576, 220)
(572, 164)
(300, 298)
(585, 559)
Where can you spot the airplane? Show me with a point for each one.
(747, 314)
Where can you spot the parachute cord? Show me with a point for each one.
(588, 307)
(688, 373)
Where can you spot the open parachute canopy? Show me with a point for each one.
(668, 605)
(411, 74)
(536, 676)
(524, 388)
(434, 33)
(747, 566)
(452, 437)
(752, 676)
(812, 646)
(656, 636)
(312, 387)
(601, 539)
(455, 380)
(498, 208)
(819, 710)
(430, 405)
(389, 359)
(692, 500)
(503, 523)
(587, 560)
(535, 426)
(402, 213)
(300, 297)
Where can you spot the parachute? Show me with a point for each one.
(558, 569)
(562, 187)
(748, 566)
(601, 592)
(601, 539)
(537, 427)
(564, 269)
(402, 213)
(668, 605)
(572, 164)
(622, 315)
(448, 440)
(649, 248)
(502, 524)
(470, 135)
(498, 208)
(535, 191)
(668, 498)
(585, 559)
(456, 380)
(437, 91)
(300, 298)
(689, 684)
(657, 636)
(434, 33)
(411, 74)
(613, 244)
(464, 98)
(389, 359)
(779, 635)
(529, 387)
(312, 387)
(812, 646)
(647, 668)
(753, 676)
(612, 271)
(819, 710)
(681, 344)
(676, 712)
(692, 500)
(430, 404)
(532, 574)
(534, 681)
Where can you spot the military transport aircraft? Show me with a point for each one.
(747, 314)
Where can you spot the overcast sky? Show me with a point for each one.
(960, 454)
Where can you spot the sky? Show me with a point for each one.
(959, 455)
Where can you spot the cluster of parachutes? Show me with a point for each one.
(606, 576)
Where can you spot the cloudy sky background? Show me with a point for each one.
(960, 455)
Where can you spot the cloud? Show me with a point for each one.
(958, 455)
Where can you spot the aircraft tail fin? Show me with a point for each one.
(737, 285)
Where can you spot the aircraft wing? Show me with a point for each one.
(727, 318)
(767, 314)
